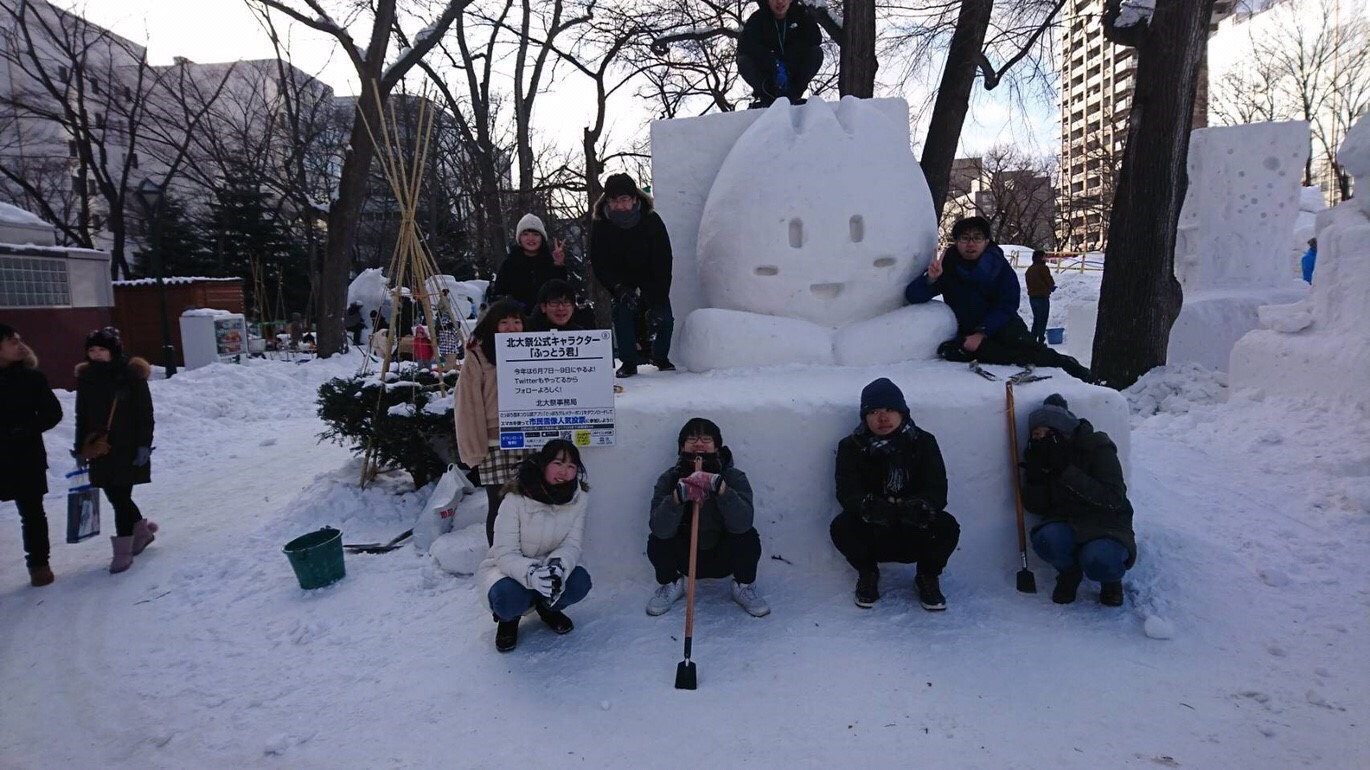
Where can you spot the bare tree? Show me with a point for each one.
(1010, 189)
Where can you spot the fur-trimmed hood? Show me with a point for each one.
(135, 366)
(647, 203)
(30, 359)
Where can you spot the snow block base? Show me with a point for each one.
(1211, 322)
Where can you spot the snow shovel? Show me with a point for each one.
(395, 542)
(686, 676)
(1027, 582)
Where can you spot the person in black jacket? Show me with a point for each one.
(556, 309)
(779, 52)
(533, 260)
(630, 252)
(892, 485)
(27, 409)
(112, 397)
(1071, 476)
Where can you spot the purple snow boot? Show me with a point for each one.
(144, 532)
(123, 554)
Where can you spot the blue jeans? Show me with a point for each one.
(1041, 308)
(1103, 560)
(509, 599)
(662, 323)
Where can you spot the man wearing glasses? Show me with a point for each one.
(981, 288)
(556, 309)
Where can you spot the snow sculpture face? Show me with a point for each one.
(817, 213)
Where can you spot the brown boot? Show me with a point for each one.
(41, 576)
(123, 554)
(143, 535)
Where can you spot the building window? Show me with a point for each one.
(95, 86)
(100, 120)
(34, 282)
(133, 160)
(72, 150)
(78, 184)
(63, 73)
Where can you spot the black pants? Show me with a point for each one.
(735, 555)
(492, 495)
(1015, 345)
(33, 521)
(865, 545)
(126, 512)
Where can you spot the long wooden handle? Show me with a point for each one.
(1013, 463)
(694, 560)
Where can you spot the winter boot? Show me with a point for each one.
(665, 596)
(144, 532)
(745, 594)
(868, 588)
(123, 554)
(929, 593)
(507, 635)
(41, 576)
(663, 365)
(557, 621)
(1111, 593)
(626, 370)
(1067, 584)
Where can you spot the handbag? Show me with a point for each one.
(83, 506)
(96, 443)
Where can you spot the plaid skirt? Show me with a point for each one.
(502, 465)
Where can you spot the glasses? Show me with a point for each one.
(558, 303)
(971, 239)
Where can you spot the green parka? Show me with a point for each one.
(1089, 495)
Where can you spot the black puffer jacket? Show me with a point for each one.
(761, 45)
(98, 385)
(637, 257)
(27, 409)
(1089, 495)
(731, 511)
(520, 277)
(861, 474)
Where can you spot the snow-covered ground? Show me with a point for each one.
(1242, 643)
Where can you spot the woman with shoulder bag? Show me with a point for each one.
(27, 409)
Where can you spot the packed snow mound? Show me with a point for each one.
(13, 215)
(1354, 156)
(1175, 390)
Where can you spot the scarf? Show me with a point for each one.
(888, 449)
(625, 219)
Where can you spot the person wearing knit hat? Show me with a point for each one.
(533, 259)
(1072, 478)
(982, 290)
(892, 485)
(27, 410)
(630, 252)
(729, 545)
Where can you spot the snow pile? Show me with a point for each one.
(1134, 12)
(13, 215)
(1175, 390)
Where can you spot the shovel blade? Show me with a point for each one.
(1027, 582)
(686, 676)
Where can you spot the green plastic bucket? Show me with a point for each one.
(317, 558)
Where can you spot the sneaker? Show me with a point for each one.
(868, 589)
(1111, 593)
(665, 596)
(557, 621)
(1067, 584)
(929, 593)
(626, 370)
(663, 365)
(507, 635)
(745, 594)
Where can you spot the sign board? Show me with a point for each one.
(230, 336)
(555, 385)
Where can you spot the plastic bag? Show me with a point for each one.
(438, 514)
(83, 506)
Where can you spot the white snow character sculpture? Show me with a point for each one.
(816, 221)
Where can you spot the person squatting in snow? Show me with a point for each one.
(892, 485)
(630, 253)
(982, 290)
(728, 543)
(27, 409)
(477, 408)
(534, 561)
(114, 403)
(779, 51)
(1072, 478)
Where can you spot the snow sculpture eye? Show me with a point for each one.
(857, 226)
(796, 233)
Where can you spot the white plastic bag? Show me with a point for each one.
(438, 514)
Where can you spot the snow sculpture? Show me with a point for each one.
(817, 219)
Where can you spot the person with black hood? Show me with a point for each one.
(27, 409)
(352, 322)
(729, 544)
(533, 260)
(114, 409)
(892, 485)
(981, 288)
(779, 52)
(1072, 478)
(630, 253)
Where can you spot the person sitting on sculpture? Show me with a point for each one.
(779, 52)
(981, 288)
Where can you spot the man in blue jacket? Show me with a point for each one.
(981, 288)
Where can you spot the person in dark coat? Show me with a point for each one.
(27, 409)
(353, 322)
(112, 396)
(729, 544)
(556, 309)
(1040, 285)
(533, 260)
(630, 252)
(892, 485)
(779, 52)
(1072, 478)
(981, 288)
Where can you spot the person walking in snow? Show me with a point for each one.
(1040, 286)
(534, 561)
(630, 252)
(532, 261)
(477, 408)
(1072, 478)
(982, 289)
(892, 485)
(728, 542)
(114, 403)
(27, 409)
(779, 52)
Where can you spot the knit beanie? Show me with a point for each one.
(699, 426)
(619, 184)
(1054, 414)
(883, 394)
(531, 222)
(7, 331)
(107, 338)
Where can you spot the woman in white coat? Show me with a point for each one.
(535, 560)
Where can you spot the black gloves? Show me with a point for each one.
(1046, 457)
(916, 513)
(913, 512)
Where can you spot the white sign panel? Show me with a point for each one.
(555, 385)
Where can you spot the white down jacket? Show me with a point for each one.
(528, 532)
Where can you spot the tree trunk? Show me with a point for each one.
(1140, 298)
(953, 97)
(857, 63)
(594, 168)
(343, 216)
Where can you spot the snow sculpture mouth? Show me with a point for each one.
(826, 290)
